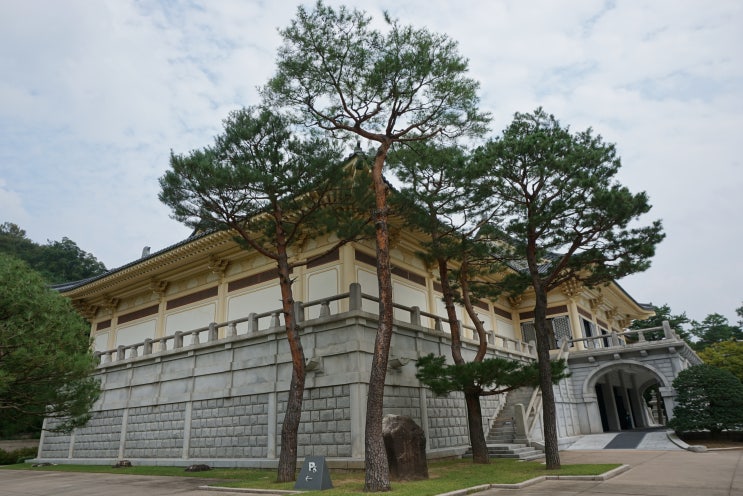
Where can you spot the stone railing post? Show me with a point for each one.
(178, 340)
(298, 312)
(415, 315)
(275, 320)
(252, 323)
(147, 348)
(354, 296)
(667, 331)
(614, 338)
(231, 330)
(640, 336)
(120, 352)
(325, 309)
(213, 332)
(97, 355)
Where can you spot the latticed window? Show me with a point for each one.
(528, 333)
(560, 329)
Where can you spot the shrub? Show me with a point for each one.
(708, 398)
(17, 456)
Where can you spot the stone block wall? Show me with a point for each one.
(223, 402)
(447, 420)
(229, 427)
(155, 431)
(325, 426)
(54, 445)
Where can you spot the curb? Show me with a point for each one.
(247, 490)
(681, 444)
(602, 477)
(459, 492)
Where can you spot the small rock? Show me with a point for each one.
(198, 468)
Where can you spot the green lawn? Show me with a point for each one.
(445, 475)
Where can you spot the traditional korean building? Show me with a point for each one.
(195, 368)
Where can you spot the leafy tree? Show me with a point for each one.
(57, 261)
(271, 188)
(715, 328)
(14, 242)
(708, 398)
(565, 216)
(45, 367)
(64, 261)
(490, 376)
(739, 311)
(727, 355)
(435, 200)
(404, 85)
(663, 313)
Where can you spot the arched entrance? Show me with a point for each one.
(615, 395)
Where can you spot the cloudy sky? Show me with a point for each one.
(95, 94)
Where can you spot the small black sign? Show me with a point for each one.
(314, 475)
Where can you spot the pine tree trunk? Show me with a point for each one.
(471, 398)
(549, 414)
(474, 420)
(377, 475)
(287, 468)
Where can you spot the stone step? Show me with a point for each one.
(510, 450)
(525, 456)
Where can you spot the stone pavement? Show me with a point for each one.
(652, 473)
(650, 440)
(30, 483)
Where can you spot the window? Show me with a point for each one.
(590, 330)
(560, 327)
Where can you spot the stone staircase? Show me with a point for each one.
(501, 439)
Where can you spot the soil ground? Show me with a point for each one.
(723, 441)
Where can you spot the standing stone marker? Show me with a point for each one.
(314, 475)
(405, 443)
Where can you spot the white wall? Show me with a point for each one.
(322, 284)
(260, 300)
(136, 333)
(189, 319)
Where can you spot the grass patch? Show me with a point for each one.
(445, 475)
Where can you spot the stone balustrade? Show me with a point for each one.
(271, 321)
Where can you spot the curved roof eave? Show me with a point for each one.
(157, 258)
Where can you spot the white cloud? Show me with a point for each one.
(94, 95)
(11, 204)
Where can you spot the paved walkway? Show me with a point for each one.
(29, 483)
(652, 473)
(638, 440)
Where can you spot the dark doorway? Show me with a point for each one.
(625, 421)
(602, 407)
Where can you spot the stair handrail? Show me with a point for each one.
(531, 412)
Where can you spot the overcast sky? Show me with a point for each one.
(95, 93)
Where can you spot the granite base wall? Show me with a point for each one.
(223, 403)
